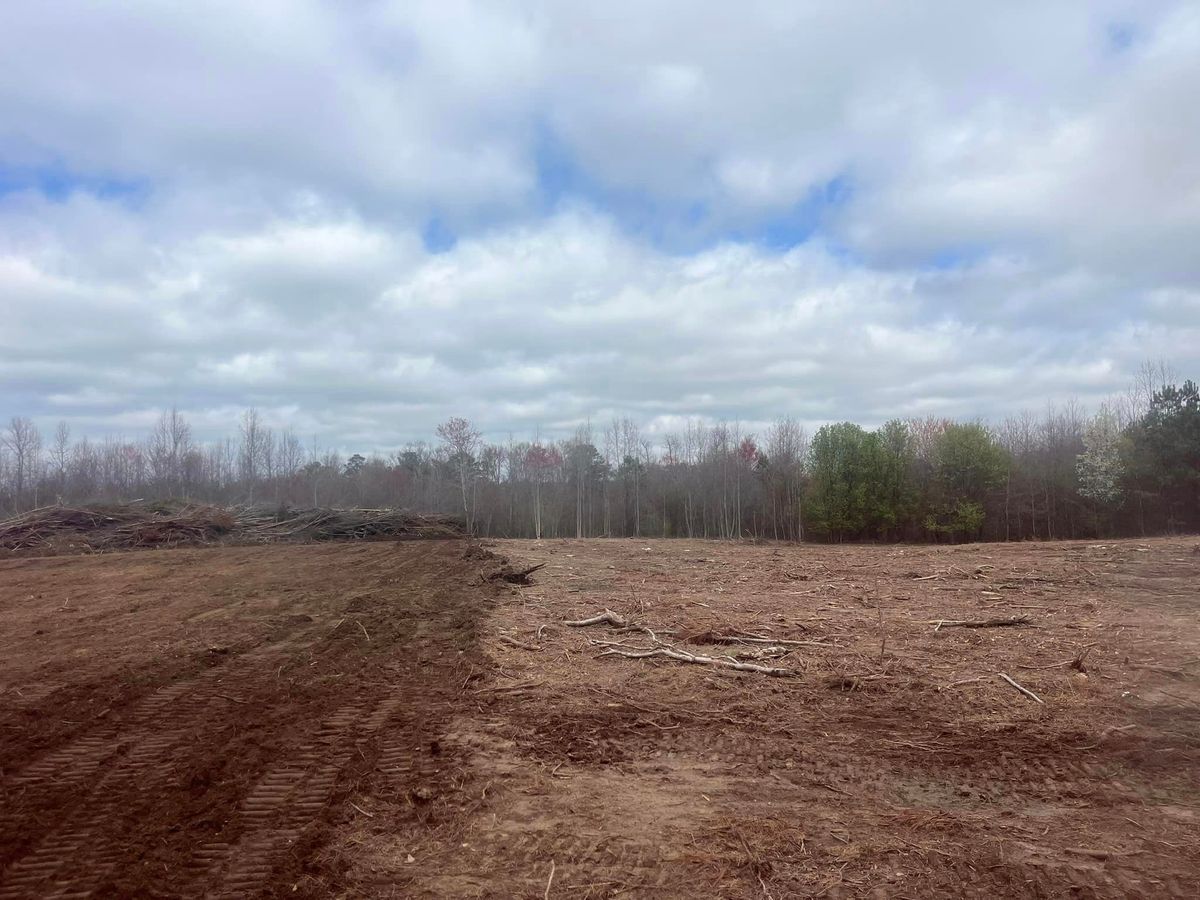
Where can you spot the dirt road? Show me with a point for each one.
(375, 720)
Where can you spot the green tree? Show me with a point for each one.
(1166, 451)
(860, 485)
(968, 464)
(354, 465)
(895, 494)
(837, 506)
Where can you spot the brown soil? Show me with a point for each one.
(385, 720)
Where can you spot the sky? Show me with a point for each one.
(365, 217)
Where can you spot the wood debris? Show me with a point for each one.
(981, 623)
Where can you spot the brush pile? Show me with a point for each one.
(344, 525)
(59, 529)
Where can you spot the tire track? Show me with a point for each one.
(286, 801)
(217, 782)
(78, 854)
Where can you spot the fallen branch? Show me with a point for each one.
(980, 623)
(509, 688)
(620, 623)
(962, 681)
(504, 638)
(1024, 690)
(608, 617)
(767, 652)
(696, 659)
(709, 637)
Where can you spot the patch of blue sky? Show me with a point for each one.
(679, 226)
(956, 256)
(1120, 36)
(58, 183)
(438, 236)
(803, 221)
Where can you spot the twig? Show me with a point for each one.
(980, 623)
(369, 815)
(1028, 693)
(230, 699)
(506, 688)
(708, 637)
(504, 638)
(549, 881)
(608, 617)
(364, 630)
(682, 656)
(620, 623)
(1076, 662)
(962, 681)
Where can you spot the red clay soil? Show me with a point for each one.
(380, 720)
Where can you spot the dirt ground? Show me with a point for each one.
(378, 720)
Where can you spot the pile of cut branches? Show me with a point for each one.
(344, 525)
(90, 529)
(56, 529)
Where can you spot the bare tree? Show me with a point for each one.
(291, 454)
(169, 444)
(250, 452)
(461, 440)
(24, 442)
(60, 455)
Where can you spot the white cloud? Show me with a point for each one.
(224, 206)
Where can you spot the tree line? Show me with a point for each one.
(1132, 467)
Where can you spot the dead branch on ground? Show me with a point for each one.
(710, 637)
(962, 681)
(1076, 662)
(696, 659)
(766, 652)
(980, 623)
(618, 623)
(512, 641)
(608, 617)
(1024, 690)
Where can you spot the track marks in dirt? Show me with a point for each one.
(317, 709)
(133, 758)
(287, 800)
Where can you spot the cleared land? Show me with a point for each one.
(379, 719)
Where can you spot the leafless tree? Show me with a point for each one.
(170, 443)
(461, 440)
(250, 452)
(60, 455)
(24, 443)
(291, 454)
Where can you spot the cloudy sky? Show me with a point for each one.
(364, 217)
